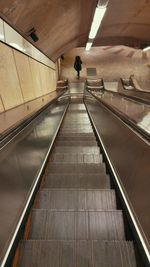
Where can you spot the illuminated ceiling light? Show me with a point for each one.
(146, 49)
(88, 46)
(102, 3)
(98, 16)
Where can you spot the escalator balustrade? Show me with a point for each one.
(75, 221)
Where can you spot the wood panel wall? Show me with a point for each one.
(22, 78)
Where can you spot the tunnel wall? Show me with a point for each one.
(26, 73)
(22, 78)
(111, 63)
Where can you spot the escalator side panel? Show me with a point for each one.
(20, 162)
(130, 156)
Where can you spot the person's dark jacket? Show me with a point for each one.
(77, 64)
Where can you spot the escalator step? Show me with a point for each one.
(75, 112)
(76, 135)
(76, 168)
(75, 200)
(78, 225)
(76, 124)
(70, 123)
(76, 143)
(75, 149)
(77, 254)
(77, 127)
(76, 158)
(76, 107)
(76, 130)
(75, 138)
(80, 112)
(79, 119)
(83, 181)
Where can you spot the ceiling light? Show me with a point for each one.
(102, 3)
(88, 46)
(98, 16)
(146, 49)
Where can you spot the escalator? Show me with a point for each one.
(75, 220)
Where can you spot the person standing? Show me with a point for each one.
(77, 65)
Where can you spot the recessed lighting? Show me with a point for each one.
(146, 49)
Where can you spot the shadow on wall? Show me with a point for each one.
(111, 63)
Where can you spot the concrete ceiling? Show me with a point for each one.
(63, 25)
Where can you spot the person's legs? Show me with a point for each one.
(78, 74)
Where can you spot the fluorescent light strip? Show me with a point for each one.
(98, 16)
(102, 3)
(88, 46)
(146, 49)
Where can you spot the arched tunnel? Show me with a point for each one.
(74, 133)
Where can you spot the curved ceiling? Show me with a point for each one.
(62, 25)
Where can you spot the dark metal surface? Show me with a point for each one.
(85, 181)
(135, 113)
(130, 157)
(133, 92)
(76, 168)
(76, 143)
(20, 162)
(75, 149)
(67, 220)
(77, 253)
(76, 158)
(79, 225)
(73, 199)
(14, 129)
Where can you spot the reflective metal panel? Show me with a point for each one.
(137, 112)
(20, 161)
(130, 156)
